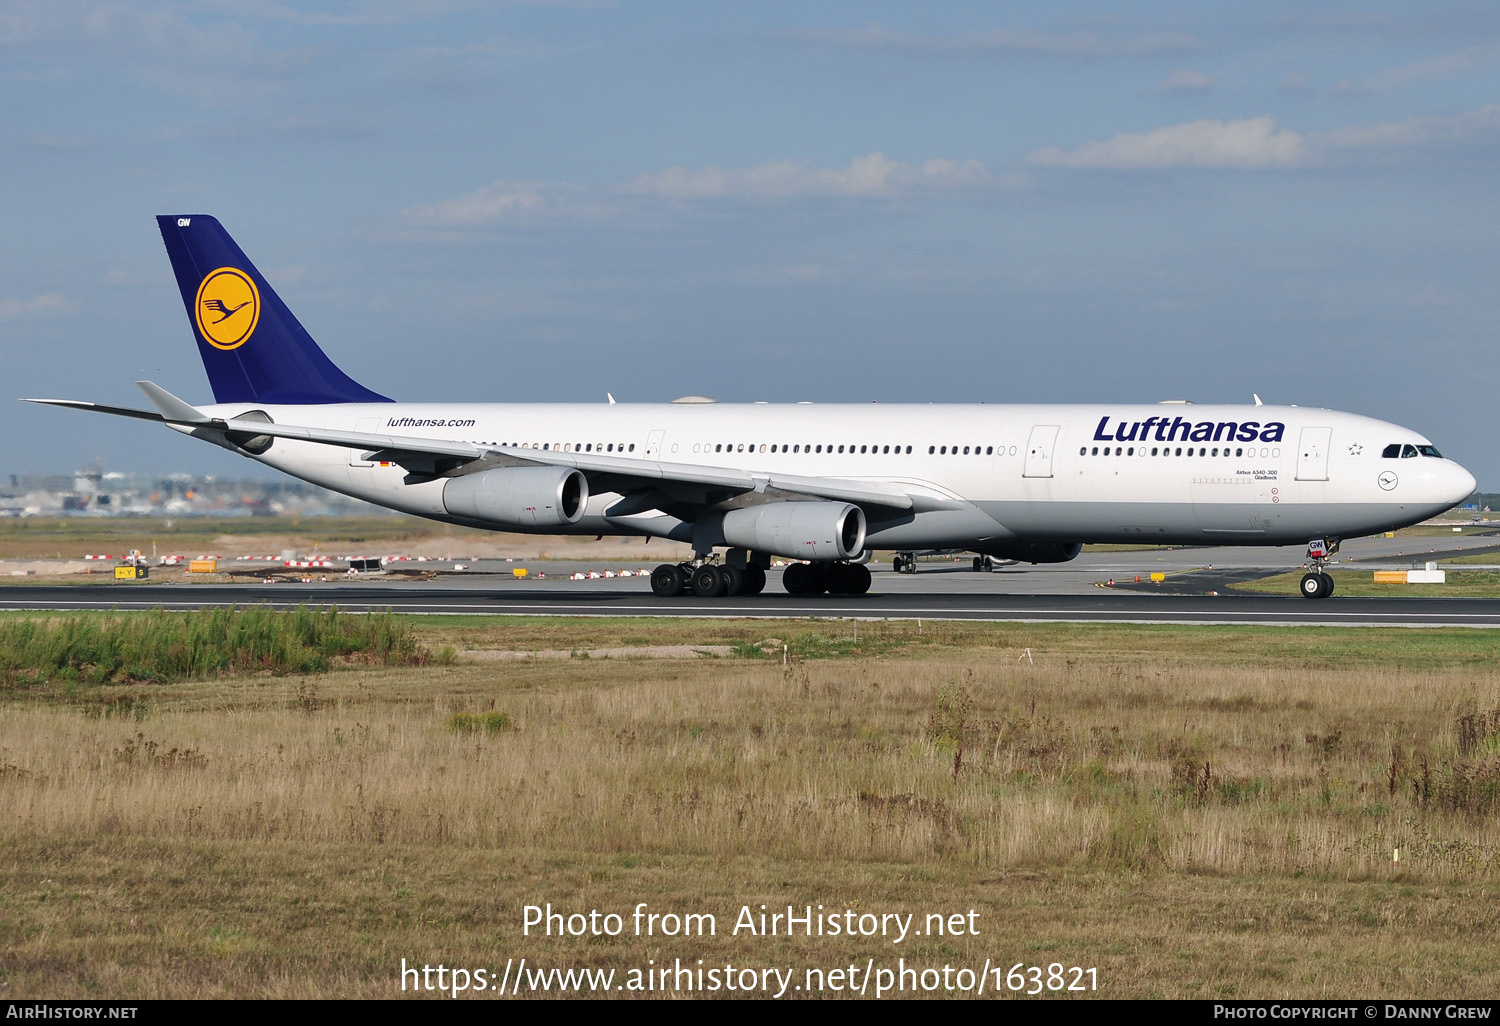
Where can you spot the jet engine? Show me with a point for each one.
(1035, 552)
(519, 496)
(800, 530)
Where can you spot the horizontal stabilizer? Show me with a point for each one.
(118, 411)
(172, 409)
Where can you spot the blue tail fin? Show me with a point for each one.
(252, 347)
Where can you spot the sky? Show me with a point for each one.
(839, 202)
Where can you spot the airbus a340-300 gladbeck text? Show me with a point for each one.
(820, 485)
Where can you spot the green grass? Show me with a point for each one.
(1491, 557)
(1210, 645)
(163, 646)
(1361, 584)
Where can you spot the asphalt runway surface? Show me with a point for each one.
(1195, 590)
(1102, 605)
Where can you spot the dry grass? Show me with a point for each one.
(1198, 812)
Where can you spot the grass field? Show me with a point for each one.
(1361, 583)
(71, 537)
(1205, 812)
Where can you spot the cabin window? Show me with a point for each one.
(632, 447)
(1130, 451)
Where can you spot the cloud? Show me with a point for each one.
(1256, 143)
(1010, 42)
(874, 177)
(871, 176)
(1458, 62)
(199, 54)
(1251, 143)
(48, 302)
(501, 199)
(1186, 82)
(1465, 128)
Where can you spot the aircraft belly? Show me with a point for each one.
(1096, 520)
(935, 529)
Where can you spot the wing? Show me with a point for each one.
(643, 484)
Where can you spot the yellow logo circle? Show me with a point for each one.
(228, 308)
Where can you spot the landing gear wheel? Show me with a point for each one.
(840, 580)
(708, 582)
(1327, 584)
(755, 580)
(797, 579)
(858, 580)
(734, 581)
(805, 578)
(668, 581)
(978, 564)
(898, 565)
(1314, 586)
(820, 578)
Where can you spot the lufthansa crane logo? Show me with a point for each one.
(228, 308)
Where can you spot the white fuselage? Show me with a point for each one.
(1162, 473)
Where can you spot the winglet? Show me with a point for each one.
(172, 409)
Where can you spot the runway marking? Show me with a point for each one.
(1121, 613)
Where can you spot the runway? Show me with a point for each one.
(931, 602)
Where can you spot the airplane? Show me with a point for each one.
(819, 485)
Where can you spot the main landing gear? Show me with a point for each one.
(816, 578)
(904, 562)
(706, 580)
(1318, 583)
(711, 580)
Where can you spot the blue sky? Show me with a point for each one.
(833, 201)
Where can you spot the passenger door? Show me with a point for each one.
(1312, 454)
(1039, 451)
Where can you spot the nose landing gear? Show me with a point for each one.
(1318, 583)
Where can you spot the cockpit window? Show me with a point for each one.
(1430, 450)
(1408, 452)
(1390, 452)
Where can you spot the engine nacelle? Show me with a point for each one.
(800, 530)
(519, 496)
(1035, 552)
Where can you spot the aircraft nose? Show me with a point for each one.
(1463, 482)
